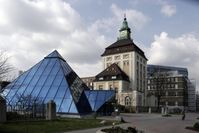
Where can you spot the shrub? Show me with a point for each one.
(132, 130)
(120, 130)
(196, 125)
(175, 111)
(12, 115)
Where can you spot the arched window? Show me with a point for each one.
(127, 101)
(116, 90)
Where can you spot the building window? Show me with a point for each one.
(126, 63)
(180, 85)
(180, 93)
(176, 93)
(108, 58)
(127, 101)
(110, 87)
(126, 56)
(108, 64)
(166, 93)
(172, 86)
(100, 87)
(148, 87)
(113, 77)
(176, 103)
(116, 90)
(176, 86)
(101, 78)
(117, 57)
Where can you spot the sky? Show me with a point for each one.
(166, 30)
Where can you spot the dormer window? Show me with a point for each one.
(101, 78)
(113, 77)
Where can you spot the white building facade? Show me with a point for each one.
(132, 61)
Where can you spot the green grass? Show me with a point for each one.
(56, 126)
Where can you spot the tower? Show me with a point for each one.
(132, 61)
(125, 31)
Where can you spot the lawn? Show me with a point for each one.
(56, 126)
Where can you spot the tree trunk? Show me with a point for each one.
(158, 109)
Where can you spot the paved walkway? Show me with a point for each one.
(154, 123)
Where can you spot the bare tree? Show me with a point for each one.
(28, 104)
(5, 67)
(158, 83)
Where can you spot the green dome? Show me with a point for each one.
(125, 31)
(124, 25)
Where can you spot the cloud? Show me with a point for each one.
(136, 19)
(168, 10)
(182, 51)
(31, 29)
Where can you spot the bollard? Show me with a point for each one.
(162, 111)
(149, 110)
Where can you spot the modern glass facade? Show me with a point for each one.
(151, 69)
(50, 79)
(97, 98)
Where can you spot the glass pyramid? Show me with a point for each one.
(97, 98)
(50, 79)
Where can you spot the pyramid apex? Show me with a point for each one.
(55, 54)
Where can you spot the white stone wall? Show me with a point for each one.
(137, 72)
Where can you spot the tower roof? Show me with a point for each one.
(123, 46)
(124, 43)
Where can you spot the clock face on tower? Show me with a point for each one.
(123, 34)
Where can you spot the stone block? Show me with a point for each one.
(51, 110)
